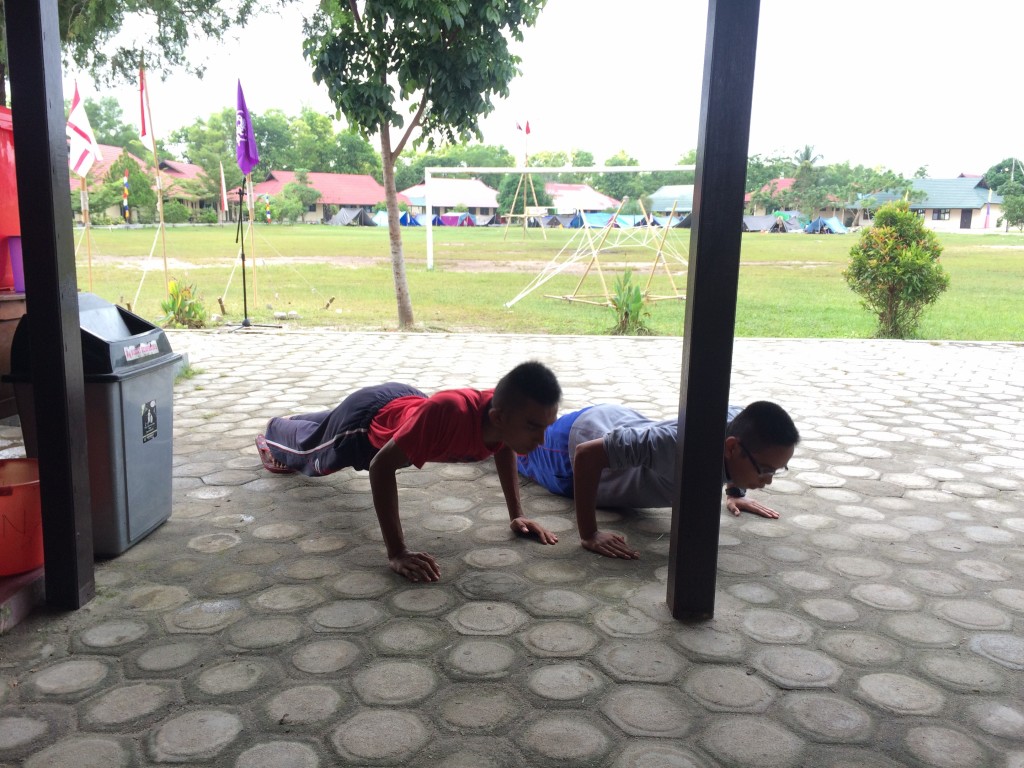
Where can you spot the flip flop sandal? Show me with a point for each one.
(269, 462)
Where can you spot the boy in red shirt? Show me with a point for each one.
(386, 427)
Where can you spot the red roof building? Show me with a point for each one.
(340, 190)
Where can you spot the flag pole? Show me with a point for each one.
(159, 183)
(85, 219)
(252, 235)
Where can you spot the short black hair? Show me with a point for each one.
(527, 381)
(763, 424)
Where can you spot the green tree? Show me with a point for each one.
(763, 170)
(301, 191)
(895, 269)
(92, 34)
(445, 60)
(1013, 212)
(141, 196)
(620, 185)
(513, 191)
(1006, 177)
(354, 154)
(312, 142)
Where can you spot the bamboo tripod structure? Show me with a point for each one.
(525, 215)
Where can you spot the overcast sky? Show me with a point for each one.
(894, 83)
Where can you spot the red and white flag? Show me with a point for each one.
(83, 149)
(223, 191)
(520, 128)
(145, 118)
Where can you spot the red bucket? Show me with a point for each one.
(21, 522)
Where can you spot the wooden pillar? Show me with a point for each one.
(715, 239)
(51, 295)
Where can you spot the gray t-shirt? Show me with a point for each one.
(641, 454)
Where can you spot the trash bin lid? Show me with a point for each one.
(114, 340)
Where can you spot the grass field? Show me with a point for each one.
(790, 285)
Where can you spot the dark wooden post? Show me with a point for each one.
(51, 296)
(715, 239)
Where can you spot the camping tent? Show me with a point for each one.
(822, 226)
(758, 223)
(408, 220)
(456, 220)
(380, 218)
(354, 217)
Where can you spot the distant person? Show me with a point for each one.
(613, 456)
(384, 428)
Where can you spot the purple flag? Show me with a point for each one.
(247, 153)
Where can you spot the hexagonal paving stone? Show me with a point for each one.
(198, 735)
(395, 683)
(1004, 649)
(479, 707)
(655, 753)
(768, 626)
(566, 738)
(487, 618)
(945, 747)
(348, 616)
(425, 601)
(861, 648)
(900, 694)
(304, 705)
(791, 668)
(972, 614)
(325, 657)
(278, 754)
(728, 689)
(828, 718)
(559, 638)
(128, 704)
(484, 659)
(413, 636)
(78, 751)
(747, 741)
(379, 735)
(558, 602)
(69, 679)
(624, 621)
(492, 585)
(647, 711)
(640, 661)
(710, 644)
(999, 719)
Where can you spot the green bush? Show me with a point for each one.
(628, 303)
(208, 216)
(176, 212)
(895, 269)
(182, 307)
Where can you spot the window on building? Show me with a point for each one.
(312, 208)
(940, 214)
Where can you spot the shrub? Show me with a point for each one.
(628, 303)
(176, 212)
(182, 307)
(208, 216)
(895, 269)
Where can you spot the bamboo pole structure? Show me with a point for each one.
(159, 190)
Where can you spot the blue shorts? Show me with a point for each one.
(317, 444)
(550, 465)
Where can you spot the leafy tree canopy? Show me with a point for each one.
(92, 34)
(1006, 177)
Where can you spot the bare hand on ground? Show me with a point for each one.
(736, 506)
(416, 566)
(525, 525)
(610, 545)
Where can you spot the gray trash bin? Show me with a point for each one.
(129, 380)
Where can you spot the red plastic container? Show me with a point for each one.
(21, 522)
(10, 223)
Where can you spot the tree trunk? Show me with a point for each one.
(405, 320)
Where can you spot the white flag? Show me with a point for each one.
(223, 191)
(84, 150)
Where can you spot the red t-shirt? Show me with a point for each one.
(446, 427)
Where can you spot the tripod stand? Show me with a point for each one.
(240, 239)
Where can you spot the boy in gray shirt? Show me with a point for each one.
(612, 456)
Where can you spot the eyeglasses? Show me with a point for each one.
(761, 472)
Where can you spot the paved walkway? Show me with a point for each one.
(879, 622)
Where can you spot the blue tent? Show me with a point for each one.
(598, 220)
(380, 218)
(408, 220)
(820, 226)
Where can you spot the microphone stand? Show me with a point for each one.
(240, 239)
